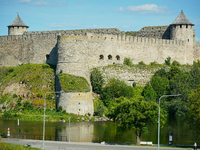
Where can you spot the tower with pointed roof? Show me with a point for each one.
(17, 27)
(182, 29)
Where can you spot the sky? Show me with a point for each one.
(126, 15)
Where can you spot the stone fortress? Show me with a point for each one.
(78, 51)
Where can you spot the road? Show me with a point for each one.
(58, 145)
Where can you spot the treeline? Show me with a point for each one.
(171, 81)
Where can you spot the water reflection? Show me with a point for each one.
(102, 131)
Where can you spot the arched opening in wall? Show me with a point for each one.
(109, 57)
(181, 26)
(118, 58)
(186, 26)
(47, 56)
(101, 57)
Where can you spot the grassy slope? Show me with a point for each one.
(70, 83)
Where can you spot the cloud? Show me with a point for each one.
(24, 1)
(40, 3)
(145, 9)
(62, 25)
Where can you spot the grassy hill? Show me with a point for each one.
(30, 82)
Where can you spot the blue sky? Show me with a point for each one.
(126, 15)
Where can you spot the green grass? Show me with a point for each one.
(9, 146)
(71, 83)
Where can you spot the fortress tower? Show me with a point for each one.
(182, 29)
(17, 27)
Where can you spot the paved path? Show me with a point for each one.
(58, 145)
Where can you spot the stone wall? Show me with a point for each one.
(196, 52)
(18, 49)
(77, 102)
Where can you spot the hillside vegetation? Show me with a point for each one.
(22, 91)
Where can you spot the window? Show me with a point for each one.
(118, 58)
(101, 57)
(181, 26)
(109, 57)
(47, 56)
(186, 26)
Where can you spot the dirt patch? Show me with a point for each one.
(16, 88)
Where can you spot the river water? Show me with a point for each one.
(183, 134)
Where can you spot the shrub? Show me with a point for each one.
(14, 95)
(7, 114)
(175, 63)
(141, 63)
(168, 61)
(134, 84)
(128, 62)
(27, 105)
(97, 81)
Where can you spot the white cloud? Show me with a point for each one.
(24, 1)
(62, 25)
(40, 3)
(144, 9)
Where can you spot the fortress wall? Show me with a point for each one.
(196, 51)
(137, 48)
(77, 102)
(18, 49)
(73, 55)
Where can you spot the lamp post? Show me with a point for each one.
(159, 116)
(44, 114)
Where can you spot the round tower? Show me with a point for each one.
(182, 29)
(17, 27)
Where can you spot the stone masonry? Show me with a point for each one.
(78, 51)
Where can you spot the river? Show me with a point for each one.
(183, 134)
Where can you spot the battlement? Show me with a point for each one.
(133, 39)
(10, 38)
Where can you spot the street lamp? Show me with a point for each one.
(159, 116)
(44, 114)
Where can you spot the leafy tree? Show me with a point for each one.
(97, 81)
(161, 73)
(98, 108)
(194, 108)
(180, 84)
(149, 93)
(174, 70)
(134, 114)
(160, 85)
(195, 75)
(115, 89)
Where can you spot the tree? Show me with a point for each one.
(194, 107)
(134, 114)
(115, 89)
(97, 81)
(160, 85)
(149, 93)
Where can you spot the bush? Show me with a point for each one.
(59, 109)
(7, 114)
(141, 63)
(14, 95)
(168, 61)
(27, 105)
(134, 84)
(175, 63)
(97, 81)
(128, 62)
